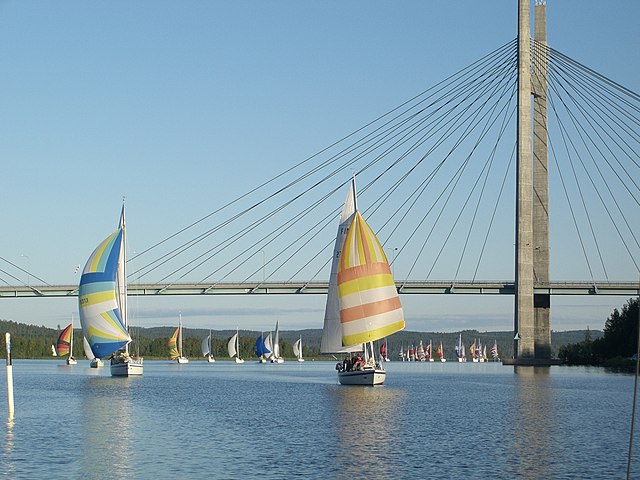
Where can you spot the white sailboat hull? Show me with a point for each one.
(366, 377)
(239, 360)
(71, 361)
(301, 359)
(182, 360)
(277, 360)
(121, 367)
(210, 359)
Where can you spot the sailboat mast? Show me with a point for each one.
(122, 275)
(355, 200)
(180, 335)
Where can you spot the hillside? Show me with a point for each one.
(30, 341)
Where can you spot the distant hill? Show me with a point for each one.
(30, 341)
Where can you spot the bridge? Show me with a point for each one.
(439, 176)
(626, 289)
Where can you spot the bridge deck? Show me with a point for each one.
(287, 288)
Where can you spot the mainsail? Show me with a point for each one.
(101, 312)
(332, 332)
(370, 306)
(297, 348)
(232, 346)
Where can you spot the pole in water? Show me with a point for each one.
(7, 338)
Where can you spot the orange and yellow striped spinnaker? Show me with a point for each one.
(370, 306)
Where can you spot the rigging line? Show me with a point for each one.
(422, 188)
(229, 241)
(181, 249)
(506, 120)
(597, 148)
(455, 178)
(566, 193)
(23, 271)
(593, 73)
(495, 209)
(580, 130)
(601, 113)
(281, 230)
(599, 91)
(470, 67)
(484, 133)
(414, 128)
(7, 273)
(185, 246)
(595, 187)
(564, 134)
(413, 148)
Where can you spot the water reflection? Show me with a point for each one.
(532, 422)
(108, 432)
(8, 465)
(367, 427)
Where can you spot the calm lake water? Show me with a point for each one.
(294, 420)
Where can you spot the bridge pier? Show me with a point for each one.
(532, 332)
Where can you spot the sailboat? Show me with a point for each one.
(64, 345)
(363, 304)
(383, 352)
(205, 347)
(420, 355)
(102, 298)
(441, 353)
(175, 344)
(275, 357)
(233, 347)
(494, 351)
(95, 362)
(297, 349)
(460, 353)
(430, 351)
(261, 350)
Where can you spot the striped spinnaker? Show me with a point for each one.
(100, 313)
(63, 346)
(370, 306)
(173, 345)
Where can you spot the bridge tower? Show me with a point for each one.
(532, 336)
(541, 302)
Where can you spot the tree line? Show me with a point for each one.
(616, 347)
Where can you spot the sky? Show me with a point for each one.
(182, 105)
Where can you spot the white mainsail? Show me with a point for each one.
(231, 346)
(332, 331)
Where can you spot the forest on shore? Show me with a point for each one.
(30, 341)
(615, 348)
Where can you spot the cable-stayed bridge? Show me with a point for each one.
(440, 177)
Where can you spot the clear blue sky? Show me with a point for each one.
(181, 105)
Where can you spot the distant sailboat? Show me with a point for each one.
(430, 351)
(102, 298)
(460, 353)
(441, 353)
(53, 351)
(64, 345)
(297, 349)
(95, 362)
(233, 347)
(205, 347)
(420, 355)
(362, 302)
(494, 351)
(175, 344)
(261, 350)
(275, 357)
(383, 351)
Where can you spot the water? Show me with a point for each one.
(293, 420)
